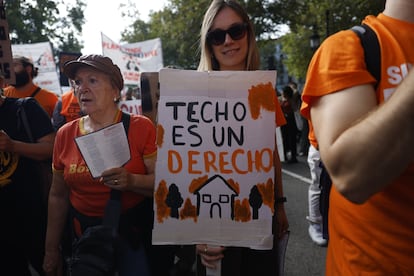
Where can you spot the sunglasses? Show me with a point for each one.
(218, 36)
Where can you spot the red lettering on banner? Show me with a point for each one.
(44, 83)
(110, 45)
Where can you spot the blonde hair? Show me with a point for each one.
(207, 60)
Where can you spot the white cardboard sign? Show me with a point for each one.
(214, 173)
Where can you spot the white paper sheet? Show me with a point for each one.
(104, 149)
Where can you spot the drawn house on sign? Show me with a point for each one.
(215, 198)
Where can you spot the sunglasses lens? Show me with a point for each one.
(237, 32)
(217, 37)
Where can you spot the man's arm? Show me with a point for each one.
(41, 150)
(365, 146)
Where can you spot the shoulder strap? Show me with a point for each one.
(35, 92)
(113, 207)
(21, 114)
(125, 118)
(372, 50)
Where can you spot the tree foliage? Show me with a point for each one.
(178, 25)
(323, 17)
(46, 20)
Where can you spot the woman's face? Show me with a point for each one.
(232, 53)
(94, 90)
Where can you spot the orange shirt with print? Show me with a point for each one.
(377, 237)
(70, 106)
(44, 97)
(87, 195)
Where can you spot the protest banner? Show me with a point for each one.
(42, 56)
(134, 58)
(131, 106)
(214, 172)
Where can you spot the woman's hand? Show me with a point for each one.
(117, 178)
(209, 255)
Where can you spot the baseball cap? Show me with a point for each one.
(99, 62)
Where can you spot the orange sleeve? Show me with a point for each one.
(327, 75)
(47, 100)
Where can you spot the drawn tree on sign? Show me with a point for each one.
(174, 200)
(255, 200)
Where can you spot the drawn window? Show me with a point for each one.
(224, 199)
(207, 198)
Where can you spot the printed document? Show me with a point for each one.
(104, 149)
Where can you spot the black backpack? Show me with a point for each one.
(372, 53)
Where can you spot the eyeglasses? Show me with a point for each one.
(218, 36)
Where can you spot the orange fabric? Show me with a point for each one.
(377, 237)
(88, 195)
(44, 97)
(70, 106)
(280, 117)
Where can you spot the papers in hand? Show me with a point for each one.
(104, 149)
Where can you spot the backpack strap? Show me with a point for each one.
(113, 206)
(35, 92)
(125, 119)
(22, 117)
(372, 50)
(372, 53)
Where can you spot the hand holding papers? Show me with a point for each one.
(104, 149)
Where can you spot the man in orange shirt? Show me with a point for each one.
(365, 137)
(24, 86)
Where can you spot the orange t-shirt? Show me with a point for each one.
(44, 97)
(377, 237)
(87, 195)
(70, 106)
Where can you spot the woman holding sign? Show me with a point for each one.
(76, 193)
(228, 43)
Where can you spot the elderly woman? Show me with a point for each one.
(75, 193)
(228, 43)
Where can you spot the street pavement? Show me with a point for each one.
(303, 257)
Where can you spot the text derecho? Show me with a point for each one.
(213, 116)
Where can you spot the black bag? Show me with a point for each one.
(94, 252)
